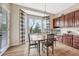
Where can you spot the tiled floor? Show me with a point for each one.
(59, 50)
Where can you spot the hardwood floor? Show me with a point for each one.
(59, 50)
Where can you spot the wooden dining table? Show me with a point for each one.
(38, 38)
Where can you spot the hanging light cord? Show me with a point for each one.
(45, 10)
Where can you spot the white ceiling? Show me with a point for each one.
(50, 7)
(35, 13)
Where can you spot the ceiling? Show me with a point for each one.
(53, 8)
(35, 13)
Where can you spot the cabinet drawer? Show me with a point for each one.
(75, 38)
(76, 46)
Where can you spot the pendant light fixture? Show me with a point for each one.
(47, 18)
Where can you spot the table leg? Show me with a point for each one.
(39, 47)
(47, 51)
(52, 47)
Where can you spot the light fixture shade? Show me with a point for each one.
(45, 13)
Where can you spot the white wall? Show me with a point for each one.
(14, 39)
(26, 28)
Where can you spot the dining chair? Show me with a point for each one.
(49, 42)
(31, 44)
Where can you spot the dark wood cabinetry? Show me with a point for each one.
(68, 39)
(77, 18)
(56, 22)
(62, 21)
(68, 20)
(76, 41)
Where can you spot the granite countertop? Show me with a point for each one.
(68, 34)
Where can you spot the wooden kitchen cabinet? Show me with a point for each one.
(77, 18)
(66, 20)
(56, 22)
(70, 40)
(67, 39)
(76, 41)
(62, 21)
(64, 39)
(69, 20)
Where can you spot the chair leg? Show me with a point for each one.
(28, 50)
(52, 50)
(42, 47)
(55, 43)
(47, 51)
(35, 45)
(37, 49)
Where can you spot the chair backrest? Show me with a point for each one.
(50, 38)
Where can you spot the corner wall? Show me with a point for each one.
(14, 39)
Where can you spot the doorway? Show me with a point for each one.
(3, 29)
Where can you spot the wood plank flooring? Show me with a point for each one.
(59, 50)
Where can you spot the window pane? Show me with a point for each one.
(38, 24)
(35, 24)
(4, 29)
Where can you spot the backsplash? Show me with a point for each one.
(74, 31)
(56, 31)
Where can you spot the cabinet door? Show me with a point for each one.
(67, 39)
(77, 18)
(62, 21)
(64, 39)
(69, 20)
(66, 20)
(76, 42)
(56, 23)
